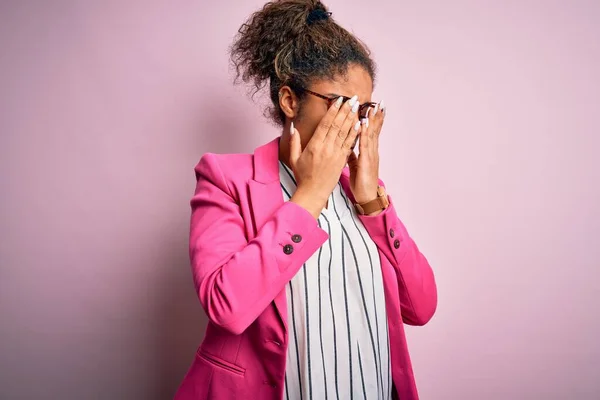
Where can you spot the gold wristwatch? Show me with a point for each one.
(379, 203)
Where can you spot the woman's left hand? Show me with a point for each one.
(364, 168)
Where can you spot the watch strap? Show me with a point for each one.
(379, 203)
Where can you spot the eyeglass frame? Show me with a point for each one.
(330, 100)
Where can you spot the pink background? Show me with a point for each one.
(490, 150)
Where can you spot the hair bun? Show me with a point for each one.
(320, 13)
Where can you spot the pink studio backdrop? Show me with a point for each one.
(490, 150)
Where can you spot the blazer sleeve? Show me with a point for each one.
(236, 278)
(416, 282)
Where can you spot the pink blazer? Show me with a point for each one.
(239, 226)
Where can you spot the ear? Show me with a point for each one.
(288, 102)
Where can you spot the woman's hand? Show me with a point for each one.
(364, 168)
(318, 167)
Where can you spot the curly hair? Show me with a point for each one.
(293, 43)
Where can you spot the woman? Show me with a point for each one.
(301, 263)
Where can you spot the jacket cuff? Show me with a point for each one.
(299, 237)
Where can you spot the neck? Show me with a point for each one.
(284, 148)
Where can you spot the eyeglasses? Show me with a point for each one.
(363, 109)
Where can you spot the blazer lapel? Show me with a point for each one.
(265, 198)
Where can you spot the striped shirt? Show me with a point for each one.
(338, 344)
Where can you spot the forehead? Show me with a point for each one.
(356, 81)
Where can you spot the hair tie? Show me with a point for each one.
(317, 15)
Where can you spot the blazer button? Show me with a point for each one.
(296, 238)
(392, 233)
(396, 243)
(288, 249)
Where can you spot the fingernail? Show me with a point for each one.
(357, 126)
(339, 101)
(292, 128)
(382, 104)
(352, 101)
(376, 109)
(365, 121)
(368, 111)
(355, 107)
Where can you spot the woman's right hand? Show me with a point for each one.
(318, 167)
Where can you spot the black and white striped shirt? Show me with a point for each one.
(338, 338)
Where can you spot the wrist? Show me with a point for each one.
(375, 206)
(310, 203)
(370, 195)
